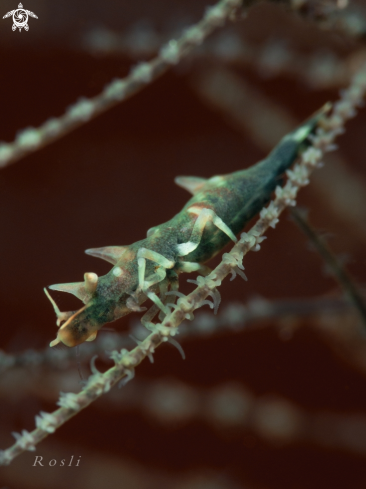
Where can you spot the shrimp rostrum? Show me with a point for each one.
(149, 269)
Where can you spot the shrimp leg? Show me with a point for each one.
(205, 215)
(144, 254)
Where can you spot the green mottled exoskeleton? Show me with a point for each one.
(219, 209)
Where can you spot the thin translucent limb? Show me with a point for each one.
(145, 284)
(204, 216)
(189, 267)
(153, 311)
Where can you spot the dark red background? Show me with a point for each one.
(110, 181)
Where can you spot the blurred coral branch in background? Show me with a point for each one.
(271, 393)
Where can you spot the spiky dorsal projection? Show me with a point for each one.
(82, 290)
(191, 184)
(110, 254)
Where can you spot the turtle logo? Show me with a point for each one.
(20, 17)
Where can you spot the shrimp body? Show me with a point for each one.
(217, 212)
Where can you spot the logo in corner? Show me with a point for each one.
(20, 17)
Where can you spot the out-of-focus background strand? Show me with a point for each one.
(272, 391)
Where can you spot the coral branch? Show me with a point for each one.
(334, 264)
(332, 126)
(232, 317)
(125, 362)
(274, 58)
(32, 139)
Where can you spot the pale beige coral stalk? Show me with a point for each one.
(126, 361)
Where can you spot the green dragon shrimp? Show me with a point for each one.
(149, 269)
